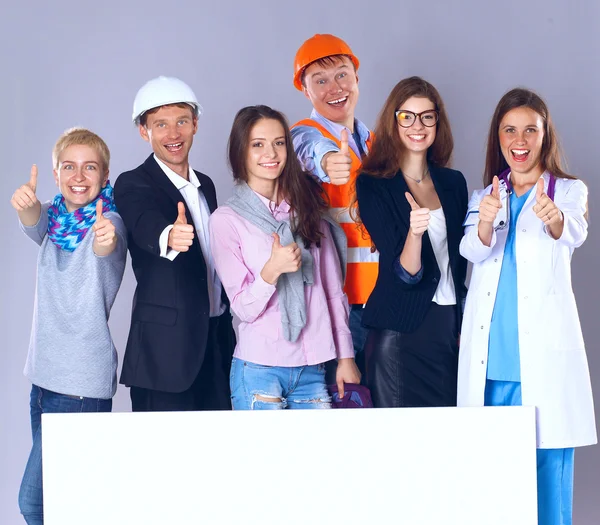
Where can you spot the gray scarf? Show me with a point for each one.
(290, 286)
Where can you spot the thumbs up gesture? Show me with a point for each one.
(336, 164)
(25, 201)
(104, 229)
(545, 209)
(491, 204)
(25, 198)
(181, 235)
(419, 217)
(284, 259)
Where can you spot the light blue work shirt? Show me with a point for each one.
(503, 346)
(311, 146)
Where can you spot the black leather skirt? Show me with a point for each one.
(416, 369)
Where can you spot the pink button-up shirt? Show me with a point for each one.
(240, 251)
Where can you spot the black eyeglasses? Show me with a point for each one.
(406, 119)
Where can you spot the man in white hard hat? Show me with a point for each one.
(181, 339)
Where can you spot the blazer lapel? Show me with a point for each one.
(399, 196)
(159, 177)
(207, 189)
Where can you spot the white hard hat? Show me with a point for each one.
(161, 91)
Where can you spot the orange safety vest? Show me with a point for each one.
(363, 265)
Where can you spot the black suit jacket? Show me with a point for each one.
(395, 304)
(170, 316)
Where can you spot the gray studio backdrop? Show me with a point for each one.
(67, 63)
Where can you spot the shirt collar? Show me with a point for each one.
(336, 129)
(283, 207)
(178, 182)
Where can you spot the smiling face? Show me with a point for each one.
(81, 175)
(267, 152)
(333, 89)
(417, 138)
(521, 135)
(170, 131)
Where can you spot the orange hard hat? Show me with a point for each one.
(316, 47)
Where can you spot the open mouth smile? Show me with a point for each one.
(78, 190)
(174, 148)
(338, 102)
(519, 155)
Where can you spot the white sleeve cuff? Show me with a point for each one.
(165, 251)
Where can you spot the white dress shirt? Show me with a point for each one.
(196, 203)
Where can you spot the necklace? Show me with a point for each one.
(418, 181)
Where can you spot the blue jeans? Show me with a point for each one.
(44, 401)
(359, 338)
(554, 465)
(259, 387)
(358, 331)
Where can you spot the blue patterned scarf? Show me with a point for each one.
(67, 230)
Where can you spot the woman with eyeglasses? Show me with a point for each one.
(413, 206)
(521, 337)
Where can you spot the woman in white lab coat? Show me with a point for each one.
(521, 341)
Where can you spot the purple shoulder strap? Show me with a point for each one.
(551, 182)
(503, 176)
(551, 185)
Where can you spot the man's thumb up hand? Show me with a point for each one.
(337, 164)
(181, 235)
(344, 149)
(181, 218)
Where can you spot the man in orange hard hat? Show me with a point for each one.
(330, 145)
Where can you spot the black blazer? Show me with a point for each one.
(385, 212)
(170, 315)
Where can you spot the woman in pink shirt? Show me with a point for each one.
(281, 260)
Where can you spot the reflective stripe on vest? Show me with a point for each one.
(341, 215)
(356, 234)
(362, 255)
(362, 263)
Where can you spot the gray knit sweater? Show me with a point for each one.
(71, 350)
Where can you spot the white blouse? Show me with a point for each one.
(438, 235)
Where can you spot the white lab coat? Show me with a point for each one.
(554, 370)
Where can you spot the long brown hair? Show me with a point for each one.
(551, 157)
(303, 193)
(386, 153)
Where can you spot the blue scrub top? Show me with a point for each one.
(503, 345)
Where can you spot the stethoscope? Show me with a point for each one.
(503, 178)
